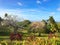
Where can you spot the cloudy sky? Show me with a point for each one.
(34, 10)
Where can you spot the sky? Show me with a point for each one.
(34, 10)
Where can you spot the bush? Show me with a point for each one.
(15, 36)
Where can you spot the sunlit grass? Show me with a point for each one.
(37, 41)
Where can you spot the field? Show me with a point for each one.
(42, 40)
(4, 40)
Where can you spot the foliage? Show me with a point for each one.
(25, 24)
(52, 26)
(58, 23)
(15, 36)
(36, 41)
(37, 27)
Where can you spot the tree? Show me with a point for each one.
(53, 25)
(37, 27)
(25, 23)
(11, 21)
(45, 24)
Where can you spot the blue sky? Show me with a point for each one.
(34, 10)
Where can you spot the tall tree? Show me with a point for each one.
(10, 20)
(53, 25)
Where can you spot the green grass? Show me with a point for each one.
(4, 36)
(43, 37)
(15, 42)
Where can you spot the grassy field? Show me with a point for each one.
(42, 40)
(4, 40)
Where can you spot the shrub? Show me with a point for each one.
(15, 36)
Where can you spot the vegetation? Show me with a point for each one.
(45, 32)
(53, 25)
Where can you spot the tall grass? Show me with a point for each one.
(36, 41)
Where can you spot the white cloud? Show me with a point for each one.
(52, 13)
(10, 12)
(33, 10)
(17, 12)
(14, 12)
(58, 9)
(19, 3)
(38, 2)
(23, 13)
